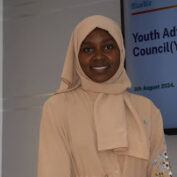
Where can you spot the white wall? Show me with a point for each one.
(1, 79)
(36, 36)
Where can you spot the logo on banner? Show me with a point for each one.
(141, 4)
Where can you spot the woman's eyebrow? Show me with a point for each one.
(108, 39)
(104, 40)
(86, 43)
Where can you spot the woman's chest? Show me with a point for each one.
(88, 161)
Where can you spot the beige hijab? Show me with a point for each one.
(112, 102)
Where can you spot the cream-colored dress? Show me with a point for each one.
(68, 144)
(93, 129)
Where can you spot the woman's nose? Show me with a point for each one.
(99, 54)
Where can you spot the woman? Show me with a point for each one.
(92, 127)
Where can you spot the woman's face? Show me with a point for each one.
(99, 55)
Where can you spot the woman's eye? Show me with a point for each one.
(88, 49)
(108, 47)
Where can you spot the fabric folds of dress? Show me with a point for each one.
(112, 104)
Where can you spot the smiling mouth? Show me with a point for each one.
(100, 68)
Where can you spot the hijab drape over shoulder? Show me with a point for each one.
(112, 103)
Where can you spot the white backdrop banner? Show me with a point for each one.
(151, 47)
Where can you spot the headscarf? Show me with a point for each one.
(112, 104)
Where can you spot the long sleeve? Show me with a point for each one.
(54, 159)
(158, 164)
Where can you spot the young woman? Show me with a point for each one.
(92, 126)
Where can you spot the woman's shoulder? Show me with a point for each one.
(55, 98)
(56, 102)
(144, 106)
(60, 100)
(141, 101)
